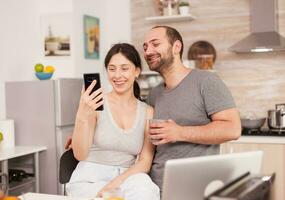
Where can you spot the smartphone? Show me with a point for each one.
(88, 79)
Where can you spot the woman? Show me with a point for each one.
(112, 145)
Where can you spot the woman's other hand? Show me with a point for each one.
(68, 143)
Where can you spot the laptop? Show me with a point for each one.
(195, 178)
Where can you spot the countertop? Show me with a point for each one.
(12, 152)
(261, 139)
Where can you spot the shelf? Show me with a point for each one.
(172, 18)
(149, 73)
(26, 181)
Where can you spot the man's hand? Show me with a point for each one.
(68, 142)
(164, 132)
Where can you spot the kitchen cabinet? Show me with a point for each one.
(148, 80)
(171, 18)
(273, 158)
(17, 155)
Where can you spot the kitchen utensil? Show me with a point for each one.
(252, 123)
(205, 61)
(276, 119)
(3, 185)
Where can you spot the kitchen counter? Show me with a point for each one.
(273, 148)
(261, 139)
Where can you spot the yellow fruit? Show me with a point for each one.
(11, 198)
(1, 138)
(49, 69)
(39, 67)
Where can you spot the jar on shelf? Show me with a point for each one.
(170, 7)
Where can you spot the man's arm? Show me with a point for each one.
(225, 126)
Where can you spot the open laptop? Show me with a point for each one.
(191, 178)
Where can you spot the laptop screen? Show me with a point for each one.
(194, 178)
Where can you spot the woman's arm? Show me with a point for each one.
(142, 165)
(85, 121)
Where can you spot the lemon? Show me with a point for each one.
(1, 136)
(49, 69)
(39, 67)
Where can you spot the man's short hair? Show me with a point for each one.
(172, 35)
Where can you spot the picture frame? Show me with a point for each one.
(57, 29)
(91, 37)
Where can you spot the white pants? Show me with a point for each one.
(89, 178)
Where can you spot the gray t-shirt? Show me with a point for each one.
(199, 95)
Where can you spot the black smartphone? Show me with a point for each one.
(88, 78)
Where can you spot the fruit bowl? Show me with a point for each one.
(43, 75)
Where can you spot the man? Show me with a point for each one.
(198, 108)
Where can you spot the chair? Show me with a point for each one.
(67, 165)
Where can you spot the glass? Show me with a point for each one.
(115, 194)
(205, 61)
(155, 121)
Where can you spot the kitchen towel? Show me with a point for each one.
(8, 132)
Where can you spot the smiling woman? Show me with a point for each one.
(112, 145)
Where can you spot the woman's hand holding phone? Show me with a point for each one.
(90, 101)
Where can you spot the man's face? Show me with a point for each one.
(157, 50)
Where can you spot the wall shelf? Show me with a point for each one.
(172, 18)
(149, 73)
(26, 181)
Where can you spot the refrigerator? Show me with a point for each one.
(44, 114)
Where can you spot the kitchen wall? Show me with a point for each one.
(21, 37)
(257, 81)
(114, 24)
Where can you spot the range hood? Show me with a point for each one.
(264, 26)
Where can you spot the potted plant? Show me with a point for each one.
(183, 7)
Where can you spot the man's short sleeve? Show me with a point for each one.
(151, 98)
(216, 95)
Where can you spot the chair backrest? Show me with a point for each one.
(66, 166)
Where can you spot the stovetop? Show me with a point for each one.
(263, 132)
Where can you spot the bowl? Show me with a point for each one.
(43, 75)
(253, 123)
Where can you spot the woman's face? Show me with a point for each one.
(122, 73)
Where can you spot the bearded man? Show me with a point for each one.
(198, 110)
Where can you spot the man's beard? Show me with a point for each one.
(163, 64)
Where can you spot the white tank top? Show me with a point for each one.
(113, 145)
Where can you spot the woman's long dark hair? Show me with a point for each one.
(130, 52)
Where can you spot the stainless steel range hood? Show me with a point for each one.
(264, 35)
